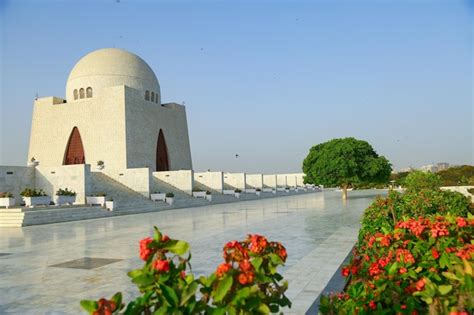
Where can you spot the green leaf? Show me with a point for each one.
(275, 259)
(189, 292)
(177, 247)
(135, 273)
(257, 262)
(89, 306)
(143, 280)
(169, 294)
(450, 276)
(223, 287)
(161, 311)
(445, 289)
(157, 235)
(264, 309)
(117, 299)
(393, 268)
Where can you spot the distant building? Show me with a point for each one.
(433, 168)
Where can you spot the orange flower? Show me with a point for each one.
(145, 252)
(345, 271)
(222, 269)
(246, 278)
(161, 265)
(434, 253)
(245, 265)
(420, 284)
(402, 270)
(461, 222)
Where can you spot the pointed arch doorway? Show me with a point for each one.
(162, 162)
(74, 150)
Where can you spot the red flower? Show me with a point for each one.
(145, 252)
(245, 265)
(345, 271)
(435, 253)
(404, 255)
(374, 269)
(182, 274)
(461, 222)
(372, 305)
(420, 284)
(402, 270)
(403, 306)
(222, 269)
(161, 265)
(439, 229)
(245, 278)
(105, 307)
(354, 270)
(165, 238)
(385, 241)
(282, 253)
(258, 243)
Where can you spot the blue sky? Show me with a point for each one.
(263, 79)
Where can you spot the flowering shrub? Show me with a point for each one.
(415, 255)
(384, 212)
(423, 265)
(246, 282)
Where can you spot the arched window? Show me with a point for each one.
(162, 162)
(74, 150)
(81, 93)
(75, 94)
(147, 95)
(156, 98)
(152, 96)
(89, 92)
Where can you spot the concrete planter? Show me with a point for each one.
(228, 192)
(258, 193)
(37, 201)
(267, 190)
(287, 190)
(33, 163)
(95, 200)
(169, 200)
(274, 191)
(280, 189)
(199, 194)
(237, 195)
(158, 197)
(64, 200)
(7, 202)
(110, 205)
(250, 191)
(209, 197)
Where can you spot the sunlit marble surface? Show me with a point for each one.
(318, 230)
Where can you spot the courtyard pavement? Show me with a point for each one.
(38, 277)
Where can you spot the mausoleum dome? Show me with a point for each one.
(111, 67)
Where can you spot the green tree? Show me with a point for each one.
(345, 162)
(418, 180)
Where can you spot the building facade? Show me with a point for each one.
(113, 115)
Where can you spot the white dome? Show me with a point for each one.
(111, 67)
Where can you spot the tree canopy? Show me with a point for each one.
(344, 162)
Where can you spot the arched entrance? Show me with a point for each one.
(74, 150)
(162, 163)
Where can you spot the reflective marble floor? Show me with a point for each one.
(40, 266)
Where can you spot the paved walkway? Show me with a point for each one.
(317, 229)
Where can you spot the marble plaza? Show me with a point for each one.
(48, 269)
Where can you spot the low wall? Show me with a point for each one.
(137, 179)
(213, 180)
(281, 180)
(183, 180)
(72, 177)
(461, 189)
(14, 179)
(291, 180)
(236, 180)
(254, 180)
(270, 180)
(300, 179)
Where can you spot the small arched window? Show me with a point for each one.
(81, 93)
(147, 95)
(89, 92)
(75, 94)
(152, 96)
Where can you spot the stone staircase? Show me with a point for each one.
(181, 198)
(124, 197)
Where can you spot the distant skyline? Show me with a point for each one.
(263, 79)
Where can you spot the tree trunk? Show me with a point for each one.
(344, 191)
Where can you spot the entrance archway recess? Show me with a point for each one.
(162, 162)
(74, 150)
